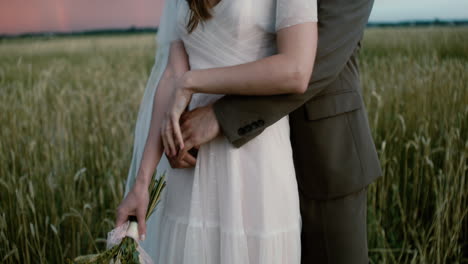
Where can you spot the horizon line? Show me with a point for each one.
(143, 29)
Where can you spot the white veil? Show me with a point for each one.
(166, 34)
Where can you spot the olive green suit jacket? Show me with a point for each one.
(334, 153)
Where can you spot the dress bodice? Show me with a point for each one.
(232, 36)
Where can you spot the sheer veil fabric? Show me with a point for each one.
(237, 205)
(166, 34)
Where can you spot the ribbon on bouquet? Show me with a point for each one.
(129, 228)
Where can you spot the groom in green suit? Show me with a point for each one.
(334, 153)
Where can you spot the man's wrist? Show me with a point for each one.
(226, 128)
(213, 113)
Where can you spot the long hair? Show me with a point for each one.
(200, 10)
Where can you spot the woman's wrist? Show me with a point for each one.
(187, 82)
(142, 180)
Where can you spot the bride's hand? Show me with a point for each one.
(171, 133)
(135, 203)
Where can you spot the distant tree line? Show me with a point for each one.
(420, 23)
(135, 30)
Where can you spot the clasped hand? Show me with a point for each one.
(171, 133)
(183, 130)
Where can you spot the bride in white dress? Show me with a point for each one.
(237, 205)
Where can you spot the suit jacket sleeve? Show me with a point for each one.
(341, 25)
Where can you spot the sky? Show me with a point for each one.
(21, 16)
(398, 10)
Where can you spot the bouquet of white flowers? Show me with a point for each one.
(122, 242)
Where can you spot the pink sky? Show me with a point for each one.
(20, 16)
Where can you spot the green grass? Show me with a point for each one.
(68, 108)
(416, 90)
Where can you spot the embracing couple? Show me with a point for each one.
(254, 112)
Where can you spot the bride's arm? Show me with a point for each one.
(288, 71)
(176, 67)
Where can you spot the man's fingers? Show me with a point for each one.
(182, 164)
(183, 152)
(171, 162)
(186, 135)
(189, 159)
(186, 127)
(184, 116)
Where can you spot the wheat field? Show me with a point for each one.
(68, 107)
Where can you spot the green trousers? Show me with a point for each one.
(335, 231)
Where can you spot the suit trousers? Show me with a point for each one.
(334, 231)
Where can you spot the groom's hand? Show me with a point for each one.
(198, 126)
(189, 161)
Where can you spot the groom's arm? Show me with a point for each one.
(341, 27)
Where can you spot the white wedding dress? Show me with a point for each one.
(238, 205)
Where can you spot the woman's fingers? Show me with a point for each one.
(177, 132)
(169, 138)
(135, 203)
(164, 140)
(171, 135)
(141, 218)
(122, 217)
